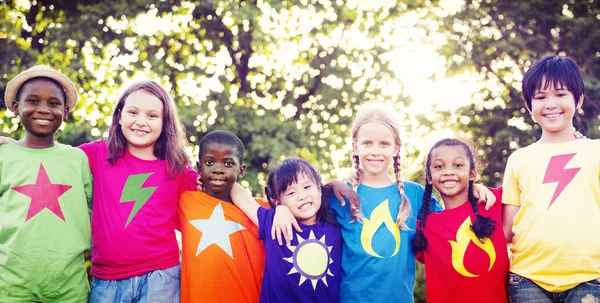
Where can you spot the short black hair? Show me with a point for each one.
(222, 137)
(560, 71)
(62, 89)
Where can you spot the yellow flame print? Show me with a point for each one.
(380, 215)
(464, 235)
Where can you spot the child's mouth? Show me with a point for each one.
(449, 183)
(42, 121)
(139, 132)
(217, 182)
(552, 116)
(305, 205)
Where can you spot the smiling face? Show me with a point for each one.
(219, 169)
(141, 122)
(450, 173)
(303, 198)
(553, 108)
(375, 148)
(41, 107)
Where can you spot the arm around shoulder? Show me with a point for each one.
(242, 198)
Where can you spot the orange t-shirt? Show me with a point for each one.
(222, 258)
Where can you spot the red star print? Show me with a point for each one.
(43, 194)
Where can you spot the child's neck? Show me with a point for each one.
(35, 142)
(144, 153)
(565, 135)
(224, 196)
(309, 221)
(381, 180)
(455, 201)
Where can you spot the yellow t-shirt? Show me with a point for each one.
(557, 228)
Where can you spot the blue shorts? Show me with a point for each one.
(160, 286)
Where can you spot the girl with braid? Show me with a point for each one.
(463, 247)
(377, 261)
(378, 264)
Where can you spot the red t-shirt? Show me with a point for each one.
(458, 267)
(222, 258)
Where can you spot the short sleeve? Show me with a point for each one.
(88, 185)
(336, 210)
(265, 221)
(187, 180)
(91, 150)
(511, 194)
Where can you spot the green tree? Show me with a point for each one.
(285, 76)
(498, 41)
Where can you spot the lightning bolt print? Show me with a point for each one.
(133, 191)
(556, 172)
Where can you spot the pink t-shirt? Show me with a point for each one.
(134, 214)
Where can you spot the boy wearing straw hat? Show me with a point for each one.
(45, 192)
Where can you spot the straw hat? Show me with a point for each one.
(15, 84)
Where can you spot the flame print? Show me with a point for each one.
(464, 235)
(380, 215)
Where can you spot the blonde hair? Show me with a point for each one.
(384, 113)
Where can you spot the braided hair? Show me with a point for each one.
(483, 227)
(385, 114)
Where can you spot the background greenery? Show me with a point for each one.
(286, 76)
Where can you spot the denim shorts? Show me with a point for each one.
(523, 290)
(159, 286)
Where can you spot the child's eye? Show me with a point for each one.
(561, 95)
(228, 164)
(153, 116)
(437, 166)
(290, 193)
(539, 97)
(54, 103)
(458, 165)
(386, 144)
(307, 186)
(367, 143)
(34, 101)
(131, 112)
(209, 162)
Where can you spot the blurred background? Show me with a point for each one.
(287, 76)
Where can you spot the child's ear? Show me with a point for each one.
(15, 107)
(242, 171)
(429, 180)
(472, 175)
(66, 114)
(354, 149)
(579, 103)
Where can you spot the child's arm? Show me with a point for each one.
(5, 140)
(283, 222)
(341, 190)
(485, 195)
(242, 198)
(508, 215)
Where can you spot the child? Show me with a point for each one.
(44, 187)
(308, 270)
(139, 172)
(377, 262)
(552, 194)
(222, 260)
(462, 247)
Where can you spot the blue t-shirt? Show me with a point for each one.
(306, 271)
(377, 261)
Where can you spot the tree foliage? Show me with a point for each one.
(285, 76)
(499, 40)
